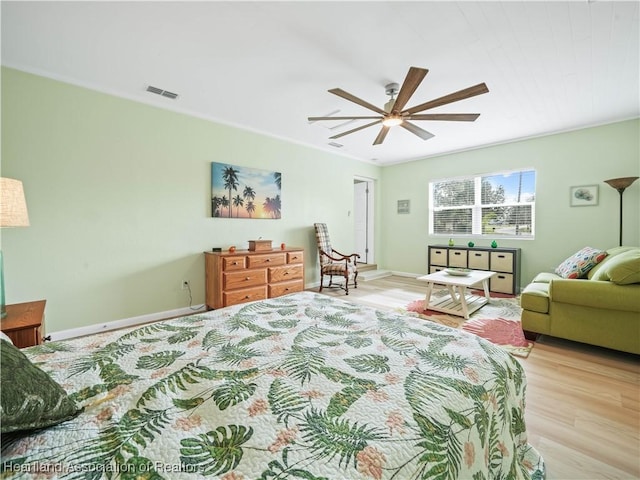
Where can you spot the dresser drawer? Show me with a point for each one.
(478, 260)
(502, 282)
(246, 278)
(458, 258)
(295, 257)
(233, 263)
(502, 262)
(244, 295)
(438, 256)
(287, 272)
(284, 288)
(266, 260)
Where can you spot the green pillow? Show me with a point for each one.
(623, 269)
(29, 398)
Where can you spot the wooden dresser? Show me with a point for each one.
(23, 324)
(244, 276)
(504, 261)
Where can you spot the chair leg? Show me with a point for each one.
(355, 280)
(321, 281)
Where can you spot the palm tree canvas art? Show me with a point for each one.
(241, 192)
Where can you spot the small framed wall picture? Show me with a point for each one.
(403, 206)
(583, 196)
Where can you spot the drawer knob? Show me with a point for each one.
(247, 278)
(235, 263)
(286, 273)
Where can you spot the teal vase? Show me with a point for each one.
(494, 244)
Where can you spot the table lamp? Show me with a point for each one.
(621, 184)
(13, 213)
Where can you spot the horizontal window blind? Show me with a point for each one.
(496, 205)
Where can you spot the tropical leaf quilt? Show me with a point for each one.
(303, 386)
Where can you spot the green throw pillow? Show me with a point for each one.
(29, 398)
(622, 269)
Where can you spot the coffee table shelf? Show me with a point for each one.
(459, 302)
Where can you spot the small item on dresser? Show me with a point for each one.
(259, 245)
(232, 249)
(471, 244)
(216, 249)
(283, 246)
(494, 244)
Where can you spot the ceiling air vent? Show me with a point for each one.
(336, 144)
(164, 93)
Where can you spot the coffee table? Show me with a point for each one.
(459, 302)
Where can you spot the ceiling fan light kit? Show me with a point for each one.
(393, 114)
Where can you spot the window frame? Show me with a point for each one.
(477, 207)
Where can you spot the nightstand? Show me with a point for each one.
(23, 324)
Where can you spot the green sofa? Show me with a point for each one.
(602, 309)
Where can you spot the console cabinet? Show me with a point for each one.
(244, 276)
(504, 261)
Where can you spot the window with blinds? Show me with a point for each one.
(494, 205)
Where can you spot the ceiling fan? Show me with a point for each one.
(393, 113)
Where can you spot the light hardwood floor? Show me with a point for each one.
(583, 402)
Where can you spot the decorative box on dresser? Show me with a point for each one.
(24, 323)
(504, 261)
(244, 276)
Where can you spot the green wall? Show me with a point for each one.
(119, 199)
(118, 194)
(581, 157)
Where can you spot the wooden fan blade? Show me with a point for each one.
(452, 97)
(453, 117)
(355, 129)
(383, 133)
(423, 134)
(314, 119)
(347, 96)
(411, 83)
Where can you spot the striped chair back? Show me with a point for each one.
(324, 244)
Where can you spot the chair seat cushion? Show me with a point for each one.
(338, 268)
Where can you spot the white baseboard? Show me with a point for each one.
(123, 323)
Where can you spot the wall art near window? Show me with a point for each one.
(241, 192)
(584, 196)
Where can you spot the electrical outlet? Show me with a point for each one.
(185, 285)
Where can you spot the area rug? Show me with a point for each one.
(497, 321)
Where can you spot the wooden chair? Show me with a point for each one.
(334, 263)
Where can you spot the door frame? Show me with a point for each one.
(369, 215)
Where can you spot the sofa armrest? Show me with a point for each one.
(596, 294)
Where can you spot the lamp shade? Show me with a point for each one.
(13, 207)
(621, 183)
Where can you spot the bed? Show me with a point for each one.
(303, 386)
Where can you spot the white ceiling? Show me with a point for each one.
(267, 66)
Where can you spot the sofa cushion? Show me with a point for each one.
(535, 297)
(611, 253)
(579, 264)
(623, 269)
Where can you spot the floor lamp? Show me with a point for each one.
(620, 184)
(13, 213)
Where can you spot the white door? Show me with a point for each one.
(363, 219)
